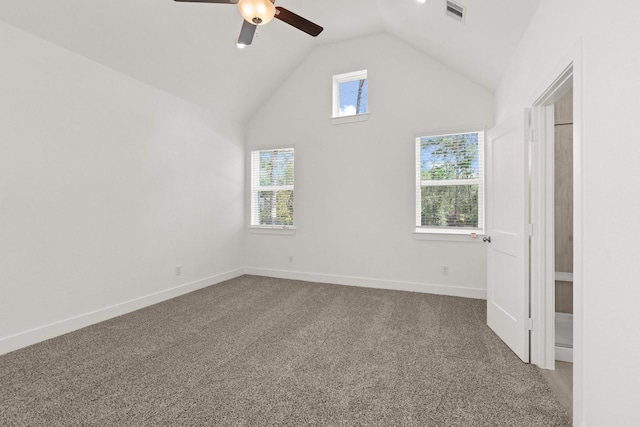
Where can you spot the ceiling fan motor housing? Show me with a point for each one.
(257, 12)
(260, 12)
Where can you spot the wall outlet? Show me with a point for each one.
(445, 270)
(290, 259)
(178, 270)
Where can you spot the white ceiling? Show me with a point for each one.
(188, 49)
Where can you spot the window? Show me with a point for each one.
(272, 188)
(449, 183)
(350, 94)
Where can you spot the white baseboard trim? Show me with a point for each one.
(36, 335)
(52, 330)
(564, 354)
(456, 291)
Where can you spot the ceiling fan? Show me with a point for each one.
(259, 12)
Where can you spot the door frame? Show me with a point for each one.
(568, 73)
(542, 185)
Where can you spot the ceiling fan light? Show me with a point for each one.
(257, 12)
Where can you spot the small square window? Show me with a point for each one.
(350, 94)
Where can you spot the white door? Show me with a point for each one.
(507, 235)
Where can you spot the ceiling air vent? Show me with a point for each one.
(455, 10)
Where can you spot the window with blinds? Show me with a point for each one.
(450, 183)
(272, 176)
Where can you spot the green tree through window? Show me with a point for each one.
(272, 178)
(450, 181)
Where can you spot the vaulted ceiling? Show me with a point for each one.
(189, 49)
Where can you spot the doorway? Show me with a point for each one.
(556, 244)
(559, 196)
(563, 226)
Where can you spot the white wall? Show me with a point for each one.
(608, 375)
(106, 184)
(355, 182)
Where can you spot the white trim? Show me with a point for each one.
(564, 354)
(480, 182)
(464, 236)
(283, 231)
(343, 78)
(350, 76)
(542, 258)
(256, 188)
(350, 119)
(52, 330)
(478, 127)
(543, 275)
(569, 72)
(563, 276)
(455, 291)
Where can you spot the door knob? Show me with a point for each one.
(486, 239)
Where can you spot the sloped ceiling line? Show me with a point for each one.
(189, 50)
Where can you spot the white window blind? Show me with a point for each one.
(272, 177)
(450, 182)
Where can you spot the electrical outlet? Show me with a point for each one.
(290, 259)
(445, 270)
(178, 270)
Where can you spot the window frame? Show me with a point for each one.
(422, 232)
(344, 78)
(256, 188)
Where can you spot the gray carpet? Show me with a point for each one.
(257, 351)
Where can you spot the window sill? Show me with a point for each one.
(350, 119)
(465, 237)
(289, 231)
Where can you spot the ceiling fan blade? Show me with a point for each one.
(246, 33)
(211, 1)
(298, 21)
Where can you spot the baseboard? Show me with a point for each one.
(33, 336)
(36, 335)
(456, 291)
(564, 337)
(564, 354)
